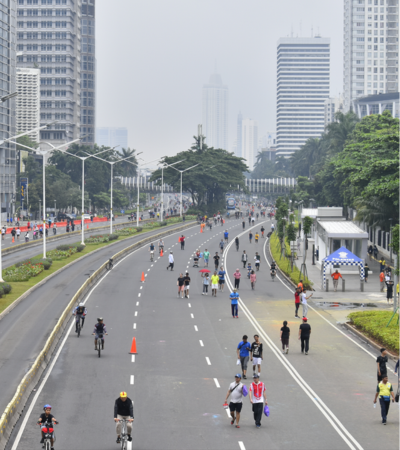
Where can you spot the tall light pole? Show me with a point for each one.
(164, 166)
(390, 240)
(181, 171)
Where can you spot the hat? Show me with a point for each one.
(123, 395)
(235, 290)
(238, 375)
(304, 319)
(256, 375)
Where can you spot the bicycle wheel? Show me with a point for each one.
(79, 327)
(48, 445)
(99, 346)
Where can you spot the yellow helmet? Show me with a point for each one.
(123, 395)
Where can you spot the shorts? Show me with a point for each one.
(244, 361)
(235, 407)
(206, 260)
(221, 281)
(214, 286)
(187, 286)
(180, 288)
(256, 361)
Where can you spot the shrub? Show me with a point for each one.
(113, 237)
(57, 255)
(2, 292)
(163, 224)
(46, 262)
(139, 229)
(23, 272)
(5, 287)
(64, 247)
(80, 248)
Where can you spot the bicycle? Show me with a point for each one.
(152, 256)
(273, 274)
(109, 265)
(78, 324)
(100, 343)
(48, 432)
(124, 434)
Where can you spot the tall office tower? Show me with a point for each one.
(8, 9)
(332, 106)
(370, 48)
(215, 113)
(303, 87)
(111, 137)
(28, 101)
(88, 71)
(239, 135)
(249, 142)
(49, 37)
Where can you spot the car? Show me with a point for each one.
(63, 216)
(86, 216)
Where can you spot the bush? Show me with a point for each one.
(139, 229)
(2, 292)
(64, 247)
(5, 287)
(46, 262)
(57, 255)
(23, 272)
(80, 248)
(163, 224)
(113, 237)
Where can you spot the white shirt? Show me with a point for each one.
(303, 298)
(171, 258)
(258, 390)
(236, 395)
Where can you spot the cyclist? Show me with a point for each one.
(221, 245)
(123, 409)
(226, 235)
(80, 312)
(262, 231)
(272, 227)
(160, 246)
(99, 328)
(273, 265)
(44, 418)
(151, 250)
(237, 243)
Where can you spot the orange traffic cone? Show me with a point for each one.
(142, 279)
(87, 226)
(133, 346)
(161, 253)
(201, 229)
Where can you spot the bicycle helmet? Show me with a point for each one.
(46, 407)
(81, 304)
(99, 319)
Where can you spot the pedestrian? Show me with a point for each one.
(216, 261)
(381, 364)
(366, 272)
(370, 251)
(253, 279)
(206, 283)
(13, 233)
(123, 409)
(244, 224)
(3, 232)
(304, 303)
(235, 405)
(382, 263)
(375, 252)
(256, 354)
(243, 351)
(256, 237)
(221, 275)
(214, 284)
(28, 225)
(187, 284)
(304, 335)
(171, 261)
(257, 396)
(385, 391)
(182, 242)
(389, 290)
(297, 302)
(234, 296)
(285, 334)
(221, 245)
(237, 276)
(206, 256)
(300, 286)
(336, 275)
(250, 236)
(18, 233)
(181, 285)
(244, 258)
(382, 280)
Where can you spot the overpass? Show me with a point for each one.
(144, 184)
(270, 185)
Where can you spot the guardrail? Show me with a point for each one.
(14, 409)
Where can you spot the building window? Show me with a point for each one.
(21, 24)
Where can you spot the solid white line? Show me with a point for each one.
(133, 358)
(135, 313)
(132, 379)
(216, 383)
(208, 360)
(137, 303)
(189, 305)
(192, 316)
(195, 327)
(134, 326)
(241, 445)
(201, 343)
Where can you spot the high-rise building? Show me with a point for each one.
(249, 142)
(88, 71)
(111, 137)
(49, 38)
(215, 113)
(332, 106)
(28, 101)
(371, 34)
(303, 87)
(239, 135)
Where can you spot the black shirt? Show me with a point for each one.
(286, 332)
(45, 418)
(216, 260)
(181, 280)
(187, 280)
(305, 329)
(123, 408)
(257, 349)
(382, 360)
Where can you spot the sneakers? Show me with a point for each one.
(237, 317)
(233, 421)
(306, 353)
(118, 440)
(42, 441)
(202, 293)
(95, 349)
(129, 438)
(187, 297)
(237, 426)
(287, 350)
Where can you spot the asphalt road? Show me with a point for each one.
(187, 358)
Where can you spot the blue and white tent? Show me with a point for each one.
(342, 257)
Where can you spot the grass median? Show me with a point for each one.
(374, 325)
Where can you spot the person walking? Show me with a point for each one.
(366, 272)
(206, 283)
(235, 391)
(253, 279)
(384, 390)
(304, 303)
(297, 302)
(237, 276)
(182, 240)
(250, 236)
(389, 290)
(285, 334)
(187, 284)
(382, 264)
(171, 261)
(243, 351)
(336, 275)
(370, 251)
(256, 355)
(381, 361)
(13, 234)
(300, 286)
(216, 261)
(375, 252)
(244, 258)
(181, 285)
(214, 284)
(382, 280)
(257, 396)
(221, 281)
(18, 233)
(304, 335)
(234, 296)
(206, 256)
(123, 409)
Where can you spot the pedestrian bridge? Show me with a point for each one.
(144, 184)
(270, 185)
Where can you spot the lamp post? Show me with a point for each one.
(181, 171)
(390, 241)
(55, 210)
(164, 166)
(298, 213)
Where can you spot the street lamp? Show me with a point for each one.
(390, 240)
(7, 97)
(181, 171)
(27, 132)
(164, 166)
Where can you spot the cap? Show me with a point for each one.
(123, 394)
(304, 319)
(235, 290)
(256, 375)
(238, 375)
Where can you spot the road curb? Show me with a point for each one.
(280, 271)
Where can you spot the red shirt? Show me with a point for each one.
(296, 297)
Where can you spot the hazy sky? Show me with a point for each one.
(153, 58)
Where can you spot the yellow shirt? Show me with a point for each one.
(384, 389)
(214, 279)
(256, 235)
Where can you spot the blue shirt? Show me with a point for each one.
(221, 274)
(226, 234)
(234, 298)
(245, 348)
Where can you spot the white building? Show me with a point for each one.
(215, 113)
(28, 101)
(376, 104)
(370, 48)
(111, 137)
(249, 142)
(302, 88)
(332, 105)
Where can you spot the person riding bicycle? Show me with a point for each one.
(226, 235)
(273, 265)
(272, 227)
(123, 409)
(160, 246)
(151, 250)
(262, 231)
(79, 312)
(46, 418)
(99, 329)
(237, 243)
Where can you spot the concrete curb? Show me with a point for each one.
(280, 271)
(367, 340)
(14, 409)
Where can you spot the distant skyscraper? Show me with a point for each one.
(111, 137)
(371, 34)
(249, 142)
(215, 113)
(28, 101)
(239, 135)
(303, 87)
(332, 106)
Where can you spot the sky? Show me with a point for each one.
(153, 58)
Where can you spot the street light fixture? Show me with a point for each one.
(181, 171)
(164, 166)
(7, 97)
(27, 132)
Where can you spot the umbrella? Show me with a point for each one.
(204, 271)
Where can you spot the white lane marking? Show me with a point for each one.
(129, 446)
(201, 343)
(208, 360)
(152, 265)
(134, 326)
(189, 305)
(139, 294)
(137, 303)
(133, 358)
(216, 383)
(241, 445)
(146, 274)
(332, 419)
(135, 313)
(159, 257)
(132, 379)
(148, 270)
(192, 316)
(141, 287)
(195, 328)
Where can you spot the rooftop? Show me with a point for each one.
(343, 229)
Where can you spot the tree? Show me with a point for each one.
(266, 168)
(128, 169)
(340, 130)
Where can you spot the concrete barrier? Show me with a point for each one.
(14, 409)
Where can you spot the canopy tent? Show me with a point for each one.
(342, 257)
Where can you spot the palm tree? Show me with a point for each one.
(127, 169)
(338, 132)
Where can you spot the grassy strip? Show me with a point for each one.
(373, 324)
(284, 263)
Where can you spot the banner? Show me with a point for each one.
(24, 187)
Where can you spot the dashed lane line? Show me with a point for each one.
(132, 379)
(195, 328)
(201, 343)
(208, 360)
(216, 383)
